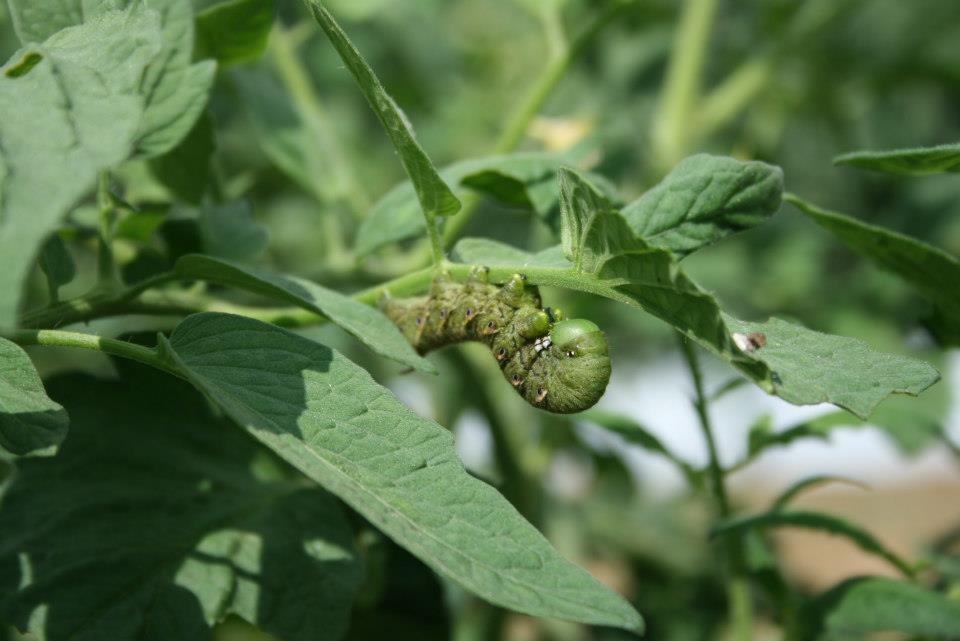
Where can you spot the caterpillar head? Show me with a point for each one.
(573, 372)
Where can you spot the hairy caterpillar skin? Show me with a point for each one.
(561, 366)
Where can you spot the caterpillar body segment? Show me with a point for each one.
(560, 366)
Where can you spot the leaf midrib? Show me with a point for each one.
(191, 374)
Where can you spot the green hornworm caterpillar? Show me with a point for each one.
(561, 366)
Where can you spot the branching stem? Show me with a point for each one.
(123, 349)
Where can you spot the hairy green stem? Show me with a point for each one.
(107, 277)
(95, 304)
(134, 300)
(436, 243)
(674, 123)
(532, 103)
(738, 588)
(114, 347)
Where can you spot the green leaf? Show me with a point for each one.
(808, 484)
(56, 262)
(229, 231)
(919, 161)
(483, 251)
(37, 20)
(811, 367)
(932, 271)
(297, 144)
(84, 110)
(799, 365)
(813, 521)
(330, 420)
(592, 232)
(235, 31)
(157, 520)
(367, 324)
(525, 180)
(436, 198)
(175, 91)
(30, 423)
(705, 199)
(185, 169)
(874, 604)
(636, 434)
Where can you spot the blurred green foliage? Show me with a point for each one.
(787, 82)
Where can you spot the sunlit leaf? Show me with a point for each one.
(705, 199)
(329, 419)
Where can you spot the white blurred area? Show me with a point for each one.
(658, 396)
(910, 500)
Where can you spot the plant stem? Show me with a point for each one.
(94, 304)
(106, 268)
(436, 244)
(673, 126)
(738, 588)
(532, 103)
(123, 349)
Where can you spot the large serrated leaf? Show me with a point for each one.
(367, 324)
(68, 109)
(932, 271)
(156, 520)
(918, 161)
(811, 367)
(329, 419)
(704, 199)
(30, 423)
(436, 198)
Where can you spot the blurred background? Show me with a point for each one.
(790, 82)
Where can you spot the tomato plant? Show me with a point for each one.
(218, 285)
